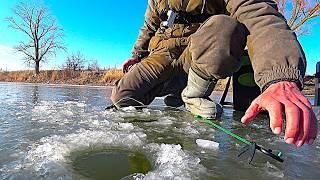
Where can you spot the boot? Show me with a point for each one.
(196, 97)
(173, 100)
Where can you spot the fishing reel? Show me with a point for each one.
(251, 150)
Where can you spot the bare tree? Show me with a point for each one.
(75, 62)
(43, 34)
(94, 65)
(298, 12)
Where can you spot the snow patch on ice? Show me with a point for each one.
(171, 162)
(188, 129)
(207, 144)
(165, 121)
(129, 109)
(133, 112)
(191, 130)
(125, 126)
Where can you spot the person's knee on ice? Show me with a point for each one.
(121, 99)
(128, 91)
(152, 77)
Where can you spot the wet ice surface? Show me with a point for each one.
(41, 127)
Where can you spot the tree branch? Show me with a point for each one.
(15, 25)
(24, 50)
(316, 15)
(309, 16)
(295, 12)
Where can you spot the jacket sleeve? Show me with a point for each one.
(151, 24)
(274, 50)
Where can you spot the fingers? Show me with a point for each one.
(292, 120)
(303, 99)
(125, 67)
(274, 108)
(305, 117)
(275, 113)
(308, 123)
(128, 64)
(251, 113)
(301, 122)
(304, 128)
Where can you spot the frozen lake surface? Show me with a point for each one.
(63, 132)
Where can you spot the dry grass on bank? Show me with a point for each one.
(15, 76)
(112, 75)
(107, 77)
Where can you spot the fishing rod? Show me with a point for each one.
(250, 147)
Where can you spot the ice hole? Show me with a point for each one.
(110, 164)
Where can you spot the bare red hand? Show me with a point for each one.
(301, 122)
(128, 64)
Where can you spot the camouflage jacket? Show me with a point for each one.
(274, 50)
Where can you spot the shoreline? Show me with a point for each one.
(58, 84)
(305, 92)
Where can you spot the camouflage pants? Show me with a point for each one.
(212, 52)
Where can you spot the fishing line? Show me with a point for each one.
(139, 106)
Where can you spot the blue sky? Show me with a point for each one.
(105, 30)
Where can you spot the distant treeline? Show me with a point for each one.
(82, 77)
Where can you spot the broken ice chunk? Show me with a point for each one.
(207, 144)
(129, 109)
